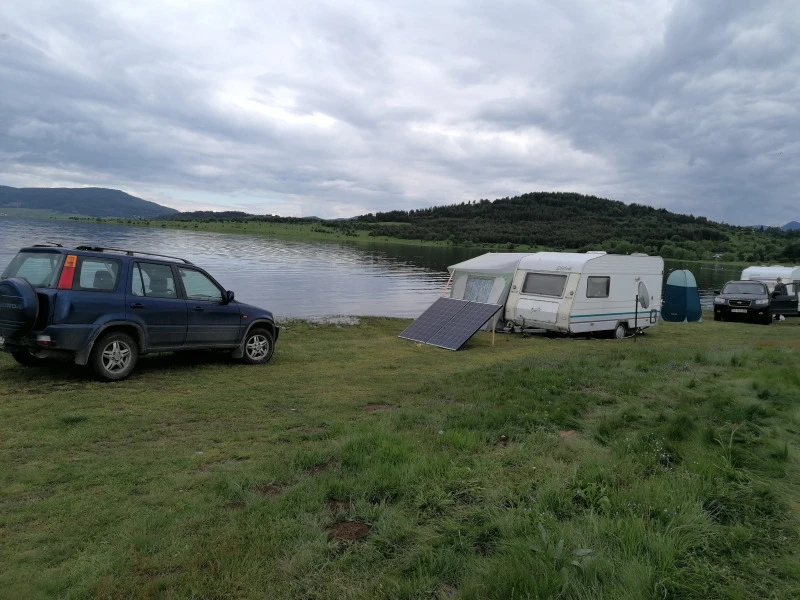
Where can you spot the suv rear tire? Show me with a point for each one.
(26, 359)
(258, 347)
(114, 356)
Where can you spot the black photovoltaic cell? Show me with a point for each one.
(449, 322)
(463, 326)
(429, 322)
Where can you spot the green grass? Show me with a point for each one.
(37, 213)
(305, 232)
(664, 467)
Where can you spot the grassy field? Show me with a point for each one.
(359, 465)
(305, 232)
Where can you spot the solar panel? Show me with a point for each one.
(449, 322)
(463, 325)
(429, 322)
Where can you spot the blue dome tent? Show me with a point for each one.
(681, 298)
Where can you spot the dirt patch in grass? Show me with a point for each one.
(234, 459)
(376, 407)
(483, 547)
(338, 506)
(321, 467)
(236, 505)
(568, 434)
(777, 343)
(312, 429)
(269, 489)
(349, 531)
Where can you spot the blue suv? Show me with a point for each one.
(107, 306)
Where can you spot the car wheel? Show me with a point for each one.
(114, 356)
(717, 317)
(767, 320)
(258, 347)
(26, 359)
(621, 331)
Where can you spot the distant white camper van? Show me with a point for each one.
(787, 304)
(769, 275)
(568, 292)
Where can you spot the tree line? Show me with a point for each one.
(561, 221)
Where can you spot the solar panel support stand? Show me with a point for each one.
(494, 326)
(446, 285)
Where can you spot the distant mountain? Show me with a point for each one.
(90, 202)
(791, 226)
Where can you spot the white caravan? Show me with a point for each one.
(769, 275)
(565, 291)
(787, 304)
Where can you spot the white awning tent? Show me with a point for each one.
(486, 278)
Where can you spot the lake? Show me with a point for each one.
(300, 279)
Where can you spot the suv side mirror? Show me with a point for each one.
(229, 295)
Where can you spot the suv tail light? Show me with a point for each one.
(67, 273)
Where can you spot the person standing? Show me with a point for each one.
(780, 288)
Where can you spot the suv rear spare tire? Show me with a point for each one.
(19, 307)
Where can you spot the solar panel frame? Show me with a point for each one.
(431, 321)
(455, 332)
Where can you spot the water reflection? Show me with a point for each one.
(301, 279)
(293, 279)
(710, 277)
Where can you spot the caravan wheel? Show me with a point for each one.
(621, 331)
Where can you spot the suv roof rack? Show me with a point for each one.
(130, 252)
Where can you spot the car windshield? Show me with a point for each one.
(744, 287)
(40, 269)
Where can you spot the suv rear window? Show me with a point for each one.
(40, 269)
(96, 274)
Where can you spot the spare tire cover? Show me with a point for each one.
(19, 307)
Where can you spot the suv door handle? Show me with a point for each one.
(198, 309)
(137, 305)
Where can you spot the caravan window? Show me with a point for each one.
(598, 287)
(544, 284)
(478, 289)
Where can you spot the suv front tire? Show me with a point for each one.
(258, 347)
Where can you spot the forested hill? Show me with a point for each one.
(575, 221)
(561, 221)
(89, 202)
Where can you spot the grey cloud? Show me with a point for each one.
(331, 108)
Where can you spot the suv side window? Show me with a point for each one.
(153, 281)
(198, 286)
(96, 274)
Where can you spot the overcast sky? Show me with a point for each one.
(342, 108)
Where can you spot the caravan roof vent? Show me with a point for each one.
(639, 254)
(596, 252)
